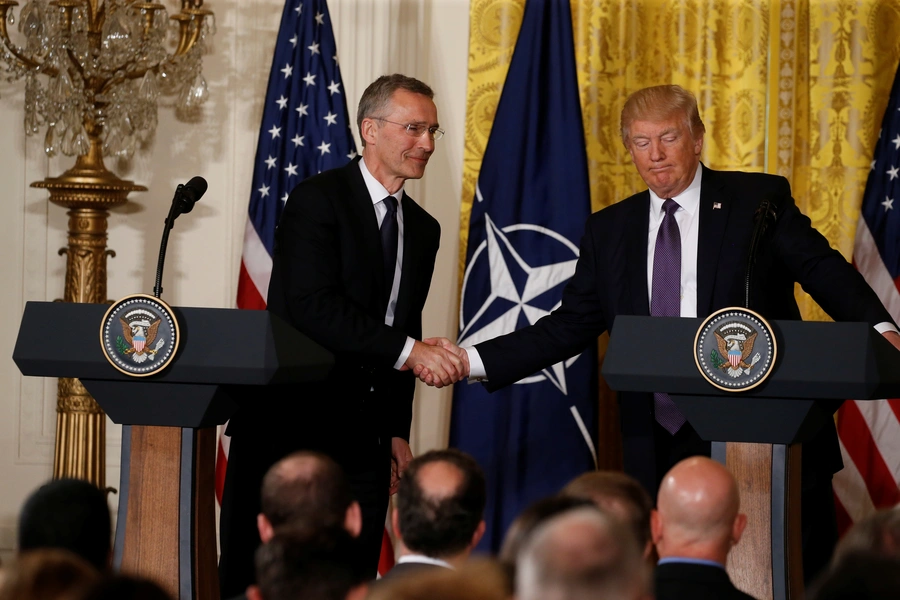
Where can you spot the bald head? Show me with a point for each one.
(697, 511)
(582, 553)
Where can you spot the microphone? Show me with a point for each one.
(186, 195)
(764, 217)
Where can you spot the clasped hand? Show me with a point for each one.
(438, 362)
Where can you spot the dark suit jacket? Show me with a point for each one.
(680, 581)
(611, 279)
(327, 281)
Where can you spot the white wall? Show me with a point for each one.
(427, 39)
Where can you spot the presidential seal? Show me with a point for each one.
(735, 349)
(139, 335)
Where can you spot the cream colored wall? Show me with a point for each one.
(424, 38)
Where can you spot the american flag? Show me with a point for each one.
(870, 431)
(305, 129)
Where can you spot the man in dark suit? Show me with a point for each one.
(439, 512)
(695, 524)
(698, 223)
(351, 269)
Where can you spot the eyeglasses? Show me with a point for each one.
(414, 130)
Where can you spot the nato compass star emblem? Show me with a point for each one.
(519, 290)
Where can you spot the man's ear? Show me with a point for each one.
(353, 519)
(479, 533)
(655, 526)
(368, 131)
(266, 531)
(737, 530)
(253, 593)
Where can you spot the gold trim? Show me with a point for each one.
(176, 344)
(762, 320)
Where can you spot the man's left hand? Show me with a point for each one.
(893, 337)
(400, 457)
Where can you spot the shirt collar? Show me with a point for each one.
(420, 558)
(689, 199)
(377, 192)
(690, 561)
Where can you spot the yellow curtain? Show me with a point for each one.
(793, 87)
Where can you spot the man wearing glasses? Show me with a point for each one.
(353, 261)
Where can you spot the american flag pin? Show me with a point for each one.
(717, 205)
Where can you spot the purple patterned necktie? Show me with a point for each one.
(665, 300)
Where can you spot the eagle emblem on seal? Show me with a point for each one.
(139, 335)
(735, 345)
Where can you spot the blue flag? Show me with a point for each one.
(305, 130)
(531, 202)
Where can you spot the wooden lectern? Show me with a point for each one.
(166, 520)
(759, 433)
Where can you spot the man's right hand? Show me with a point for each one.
(427, 376)
(435, 365)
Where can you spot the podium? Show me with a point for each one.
(166, 519)
(759, 433)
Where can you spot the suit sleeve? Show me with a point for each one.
(563, 333)
(306, 274)
(822, 271)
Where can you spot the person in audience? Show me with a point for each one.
(439, 511)
(70, 514)
(878, 533)
(621, 495)
(48, 574)
(307, 488)
(581, 554)
(696, 523)
(859, 575)
(125, 587)
(312, 563)
(478, 579)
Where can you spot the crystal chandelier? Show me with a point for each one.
(94, 70)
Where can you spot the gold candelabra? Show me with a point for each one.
(94, 71)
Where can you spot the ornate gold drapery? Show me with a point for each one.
(793, 87)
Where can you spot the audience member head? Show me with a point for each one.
(126, 587)
(48, 574)
(620, 495)
(70, 514)
(859, 576)
(309, 562)
(440, 505)
(696, 512)
(584, 553)
(307, 488)
(878, 533)
(529, 519)
(478, 579)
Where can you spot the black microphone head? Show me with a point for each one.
(189, 193)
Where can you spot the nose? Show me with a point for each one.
(426, 141)
(656, 151)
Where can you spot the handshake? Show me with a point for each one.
(437, 362)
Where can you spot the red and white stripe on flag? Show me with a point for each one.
(869, 431)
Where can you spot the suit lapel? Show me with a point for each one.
(714, 210)
(636, 254)
(411, 259)
(369, 249)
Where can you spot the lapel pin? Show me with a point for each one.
(717, 205)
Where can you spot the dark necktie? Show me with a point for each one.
(665, 300)
(389, 240)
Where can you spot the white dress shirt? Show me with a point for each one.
(378, 193)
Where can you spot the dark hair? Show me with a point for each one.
(614, 485)
(538, 512)
(376, 97)
(308, 562)
(71, 514)
(441, 526)
(126, 587)
(48, 574)
(305, 487)
(859, 576)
